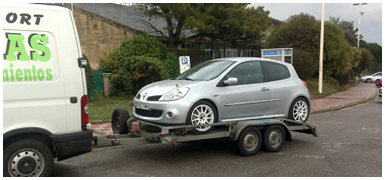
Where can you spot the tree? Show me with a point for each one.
(338, 55)
(348, 28)
(300, 31)
(376, 50)
(366, 59)
(175, 15)
(229, 25)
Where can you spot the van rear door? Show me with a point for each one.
(74, 76)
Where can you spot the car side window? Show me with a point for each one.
(247, 73)
(276, 71)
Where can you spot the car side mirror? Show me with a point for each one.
(231, 81)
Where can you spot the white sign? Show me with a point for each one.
(184, 63)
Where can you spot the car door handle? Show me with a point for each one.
(265, 89)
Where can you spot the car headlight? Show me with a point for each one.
(175, 94)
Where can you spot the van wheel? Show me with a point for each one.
(26, 158)
(250, 141)
(274, 138)
(202, 113)
(119, 121)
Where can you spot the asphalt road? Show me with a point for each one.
(349, 143)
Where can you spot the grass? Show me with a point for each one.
(101, 108)
(329, 87)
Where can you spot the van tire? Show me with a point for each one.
(119, 121)
(33, 153)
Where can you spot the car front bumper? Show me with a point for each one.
(163, 112)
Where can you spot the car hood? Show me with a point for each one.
(162, 87)
(364, 77)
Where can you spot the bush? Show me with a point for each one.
(140, 61)
(304, 64)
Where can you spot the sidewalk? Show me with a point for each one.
(354, 95)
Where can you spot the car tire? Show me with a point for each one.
(250, 141)
(376, 82)
(202, 112)
(274, 138)
(119, 121)
(367, 81)
(299, 110)
(27, 157)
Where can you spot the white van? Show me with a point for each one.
(44, 89)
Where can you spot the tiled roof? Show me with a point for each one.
(128, 16)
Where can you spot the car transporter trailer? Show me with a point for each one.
(249, 135)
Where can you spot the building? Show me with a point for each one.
(102, 27)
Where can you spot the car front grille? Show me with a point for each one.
(151, 113)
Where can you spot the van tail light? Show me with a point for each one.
(84, 109)
(304, 83)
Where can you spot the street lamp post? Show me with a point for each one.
(321, 53)
(360, 13)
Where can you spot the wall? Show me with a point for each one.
(99, 36)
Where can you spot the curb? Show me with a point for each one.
(346, 105)
(314, 112)
(100, 121)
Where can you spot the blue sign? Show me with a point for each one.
(184, 61)
(272, 53)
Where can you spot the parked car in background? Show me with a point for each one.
(372, 78)
(223, 90)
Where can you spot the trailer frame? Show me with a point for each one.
(141, 132)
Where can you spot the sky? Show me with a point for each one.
(371, 21)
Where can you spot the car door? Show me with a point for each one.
(247, 99)
(281, 87)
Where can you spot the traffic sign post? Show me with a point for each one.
(184, 63)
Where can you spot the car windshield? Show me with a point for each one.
(205, 71)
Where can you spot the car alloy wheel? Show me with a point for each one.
(202, 115)
(300, 111)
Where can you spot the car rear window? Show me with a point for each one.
(276, 71)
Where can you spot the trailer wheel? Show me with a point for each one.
(250, 141)
(26, 158)
(119, 121)
(274, 138)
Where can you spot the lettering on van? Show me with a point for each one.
(23, 55)
(23, 18)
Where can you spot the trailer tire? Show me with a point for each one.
(119, 121)
(274, 138)
(27, 157)
(250, 141)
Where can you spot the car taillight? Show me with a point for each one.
(85, 119)
(304, 83)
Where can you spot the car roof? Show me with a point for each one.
(244, 59)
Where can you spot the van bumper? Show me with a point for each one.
(72, 144)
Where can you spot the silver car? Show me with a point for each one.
(223, 90)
